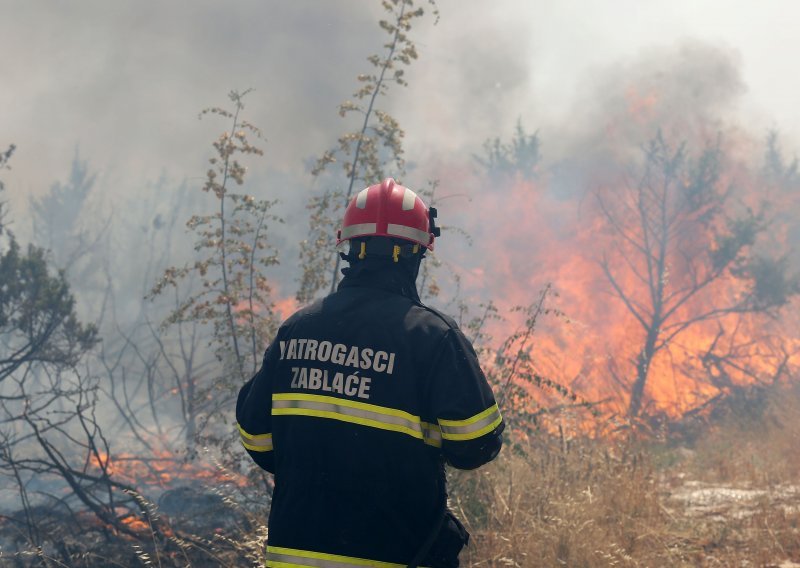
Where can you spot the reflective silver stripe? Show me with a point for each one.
(409, 198)
(390, 420)
(258, 445)
(256, 442)
(409, 233)
(278, 556)
(432, 434)
(472, 428)
(354, 412)
(361, 199)
(361, 229)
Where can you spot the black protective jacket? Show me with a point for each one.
(360, 400)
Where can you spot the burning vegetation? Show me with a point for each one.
(636, 309)
(673, 254)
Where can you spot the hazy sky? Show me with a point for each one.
(124, 80)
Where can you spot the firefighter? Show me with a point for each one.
(362, 398)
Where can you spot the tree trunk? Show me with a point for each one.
(643, 361)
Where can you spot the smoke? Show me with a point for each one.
(127, 80)
(681, 86)
(471, 82)
(532, 231)
(691, 92)
(124, 81)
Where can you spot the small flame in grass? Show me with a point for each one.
(136, 524)
(161, 469)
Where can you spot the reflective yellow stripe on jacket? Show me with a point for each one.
(278, 557)
(320, 406)
(471, 428)
(256, 442)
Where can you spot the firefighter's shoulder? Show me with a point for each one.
(301, 313)
(428, 316)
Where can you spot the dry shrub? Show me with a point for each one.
(559, 503)
(753, 438)
(732, 499)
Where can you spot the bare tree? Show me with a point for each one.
(677, 242)
(5, 156)
(56, 215)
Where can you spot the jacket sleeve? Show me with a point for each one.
(463, 404)
(254, 417)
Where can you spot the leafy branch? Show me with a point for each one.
(233, 251)
(366, 153)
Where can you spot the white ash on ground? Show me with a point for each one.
(723, 502)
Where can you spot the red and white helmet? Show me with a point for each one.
(390, 210)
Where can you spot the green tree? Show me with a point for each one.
(46, 404)
(56, 214)
(38, 324)
(519, 158)
(61, 224)
(776, 169)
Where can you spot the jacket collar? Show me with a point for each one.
(383, 275)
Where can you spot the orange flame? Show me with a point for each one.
(528, 234)
(159, 469)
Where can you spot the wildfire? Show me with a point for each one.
(282, 307)
(640, 107)
(595, 246)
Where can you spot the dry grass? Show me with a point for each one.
(734, 495)
(730, 499)
(755, 439)
(580, 504)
